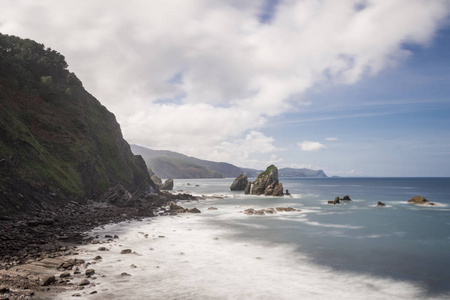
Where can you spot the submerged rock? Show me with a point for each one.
(240, 183)
(420, 200)
(194, 210)
(335, 201)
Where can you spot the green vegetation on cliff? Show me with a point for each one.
(57, 142)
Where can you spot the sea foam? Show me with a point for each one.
(185, 257)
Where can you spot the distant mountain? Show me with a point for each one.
(169, 167)
(289, 172)
(169, 164)
(177, 167)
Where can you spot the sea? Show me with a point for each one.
(352, 250)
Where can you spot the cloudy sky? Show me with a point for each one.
(353, 87)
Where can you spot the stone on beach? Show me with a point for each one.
(84, 282)
(89, 272)
(125, 251)
(47, 280)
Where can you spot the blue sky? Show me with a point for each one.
(353, 87)
(394, 124)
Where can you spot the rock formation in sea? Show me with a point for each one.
(167, 185)
(420, 200)
(266, 183)
(240, 183)
(380, 204)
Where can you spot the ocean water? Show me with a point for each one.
(354, 250)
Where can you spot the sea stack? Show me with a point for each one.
(167, 185)
(240, 183)
(267, 183)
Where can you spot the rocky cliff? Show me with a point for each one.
(57, 142)
(266, 183)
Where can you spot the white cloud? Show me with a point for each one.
(311, 146)
(331, 139)
(234, 72)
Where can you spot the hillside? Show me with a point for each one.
(57, 142)
(216, 169)
(183, 166)
(289, 172)
(167, 167)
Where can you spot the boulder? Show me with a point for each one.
(89, 272)
(167, 185)
(47, 280)
(267, 182)
(420, 200)
(84, 282)
(240, 183)
(125, 251)
(194, 210)
(346, 198)
(64, 275)
(380, 204)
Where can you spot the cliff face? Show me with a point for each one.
(57, 142)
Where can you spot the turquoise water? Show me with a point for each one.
(399, 241)
(354, 250)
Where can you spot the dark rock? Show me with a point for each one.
(167, 185)
(124, 274)
(89, 272)
(4, 290)
(125, 251)
(194, 210)
(64, 275)
(98, 257)
(84, 282)
(240, 183)
(346, 198)
(287, 193)
(212, 208)
(288, 209)
(335, 201)
(380, 204)
(102, 249)
(420, 200)
(47, 280)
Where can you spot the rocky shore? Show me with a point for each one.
(33, 245)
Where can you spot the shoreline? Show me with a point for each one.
(33, 245)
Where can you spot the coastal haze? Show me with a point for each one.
(349, 87)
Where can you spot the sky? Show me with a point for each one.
(352, 87)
